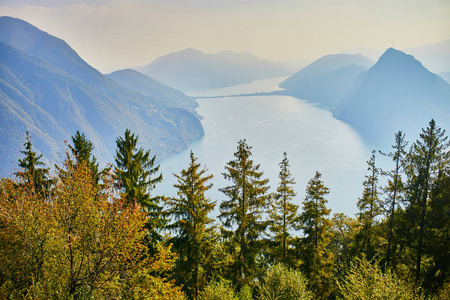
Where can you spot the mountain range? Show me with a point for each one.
(397, 93)
(48, 90)
(328, 79)
(191, 69)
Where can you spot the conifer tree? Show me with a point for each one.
(82, 151)
(394, 189)
(428, 159)
(32, 169)
(369, 208)
(242, 212)
(135, 170)
(192, 224)
(316, 257)
(283, 215)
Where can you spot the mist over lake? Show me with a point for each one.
(312, 138)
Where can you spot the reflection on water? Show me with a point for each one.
(312, 138)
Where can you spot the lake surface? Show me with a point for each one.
(313, 139)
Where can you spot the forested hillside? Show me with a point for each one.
(84, 231)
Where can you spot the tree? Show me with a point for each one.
(394, 189)
(82, 151)
(343, 232)
(428, 160)
(135, 170)
(31, 172)
(283, 215)
(80, 244)
(242, 212)
(317, 258)
(191, 222)
(369, 206)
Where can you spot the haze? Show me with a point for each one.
(116, 34)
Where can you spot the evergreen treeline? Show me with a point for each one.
(91, 233)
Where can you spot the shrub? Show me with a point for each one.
(282, 283)
(366, 281)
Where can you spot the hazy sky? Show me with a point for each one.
(118, 34)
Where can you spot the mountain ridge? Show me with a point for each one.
(191, 69)
(397, 92)
(40, 94)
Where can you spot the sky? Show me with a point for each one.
(112, 35)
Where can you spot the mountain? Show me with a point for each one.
(48, 90)
(147, 86)
(397, 93)
(445, 76)
(435, 57)
(328, 79)
(190, 69)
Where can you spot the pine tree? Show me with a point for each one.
(135, 170)
(189, 213)
(429, 158)
(317, 258)
(283, 215)
(31, 170)
(242, 212)
(82, 151)
(394, 189)
(369, 206)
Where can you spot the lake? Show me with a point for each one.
(313, 139)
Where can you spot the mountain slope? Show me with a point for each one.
(147, 86)
(53, 95)
(191, 69)
(397, 93)
(328, 79)
(435, 57)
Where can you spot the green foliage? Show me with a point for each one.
(369, 206)
(395, 193)
(283, 215)
(191, 223)
(343, 232)
(31, 172)
(82, 151)
(218, 290)
(316, 257)
(365, 281)
(134, 170)
(281, 283)
(428, 164)
(242, 212)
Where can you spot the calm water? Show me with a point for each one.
(312, 138)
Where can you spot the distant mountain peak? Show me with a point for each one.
(397, 93)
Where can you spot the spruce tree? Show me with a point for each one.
(428, 159)
(369, 206)
(82, 151)
(189, 212)
(283, 215)
(32, 170)
(135, 170)
(316, 257)
(242, 212)
(395, 190)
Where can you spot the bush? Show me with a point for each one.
(218, 290)
(282, 283)
(366, 281)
